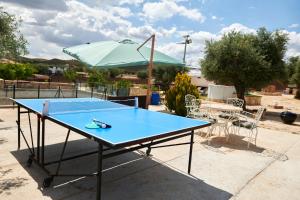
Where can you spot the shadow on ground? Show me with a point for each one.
(140, 178)
(8, 184)
(235, 142)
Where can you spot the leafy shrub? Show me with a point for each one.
(16, 71)
(176, 94)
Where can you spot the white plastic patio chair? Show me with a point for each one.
(249, 122)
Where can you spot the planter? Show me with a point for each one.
(155, 98)
(288, 117)
(253, 100)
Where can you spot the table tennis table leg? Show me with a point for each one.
(43, 143)
(38, 139)
(191, 151)
(99, 174)
(19, 128)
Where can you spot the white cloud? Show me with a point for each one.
(294, 26)
(48, 31)
(59, 5)
(81, 23)
(123, 12)
(238, 28)
(214, 17)
(194, 50)
(166, 9)
(135, 2)
(293, 43)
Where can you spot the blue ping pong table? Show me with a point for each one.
(131, 129)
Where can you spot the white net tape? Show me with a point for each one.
(85, 105)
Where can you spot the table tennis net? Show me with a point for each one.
(86, 105)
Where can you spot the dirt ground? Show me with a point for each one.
(272, 118)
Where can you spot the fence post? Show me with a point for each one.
(76, 91)
(92, 92)
(38, 91)
(6, 90)
(105, 93)
(58, 91)
(14, 91)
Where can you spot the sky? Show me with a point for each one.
(49, 26)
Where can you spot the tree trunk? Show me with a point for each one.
(240, 92)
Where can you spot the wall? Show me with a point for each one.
(220, 92)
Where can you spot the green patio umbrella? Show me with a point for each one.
(125, 53)
(109, 54)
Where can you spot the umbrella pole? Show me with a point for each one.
(150, 67)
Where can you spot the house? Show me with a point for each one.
(56, 70)
(201, 83)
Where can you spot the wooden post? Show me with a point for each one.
(150, 67)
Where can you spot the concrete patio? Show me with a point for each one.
(219, 171)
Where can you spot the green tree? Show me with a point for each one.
(7, 72)
(164, 76)
(238, 60)
(114, 72)
(272, 45)
(291, 67)
(16, 71)
(97, 78)
(12, 41)
(175, 96)
(123, 84)
(142, 74)
(296, 78)
(70, 75)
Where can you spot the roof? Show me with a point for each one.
(200, 81)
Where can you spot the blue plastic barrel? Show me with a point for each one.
(155, 98)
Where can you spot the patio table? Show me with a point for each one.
(222, 107)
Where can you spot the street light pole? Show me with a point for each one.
(186, 41)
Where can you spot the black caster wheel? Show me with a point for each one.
(148, 151)
(47, 182)
(29, 162)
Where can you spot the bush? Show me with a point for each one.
(175, 96)
(16, 71)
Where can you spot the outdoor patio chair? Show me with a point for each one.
(221, 122)
(194, 110)
(235, 102)
(249, 122)
(192, 105)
